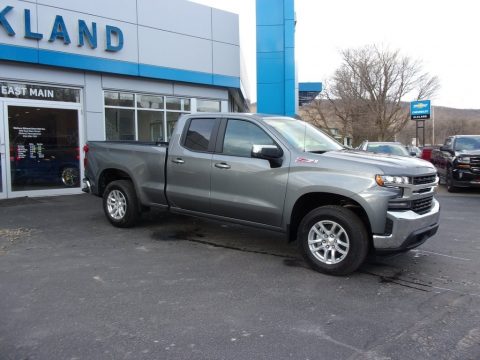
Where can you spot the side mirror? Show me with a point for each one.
(446, 148)
(272, 153)
(413, 153)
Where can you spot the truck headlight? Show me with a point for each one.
(463, 160)
(391, 180)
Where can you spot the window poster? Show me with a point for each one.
(44, 148)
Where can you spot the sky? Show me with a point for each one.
(443, 35)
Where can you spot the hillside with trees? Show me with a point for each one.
(448, 121)
(366, 100)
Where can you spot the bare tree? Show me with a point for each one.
(315, 114)
(369, 89)
(322, 114)
(456, 127)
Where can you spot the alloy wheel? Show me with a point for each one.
(328, 242)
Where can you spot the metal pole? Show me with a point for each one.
(423, 137)
(416, 133)
(433, 125)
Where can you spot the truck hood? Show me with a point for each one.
(378, 163)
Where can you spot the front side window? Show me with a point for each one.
(199, 134)
(241, 135)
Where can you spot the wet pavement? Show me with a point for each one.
(74, 287)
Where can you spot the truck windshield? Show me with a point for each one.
(303, 136)
(467, 143)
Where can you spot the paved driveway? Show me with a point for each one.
(74, 287)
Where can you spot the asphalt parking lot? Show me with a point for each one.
(74, 287)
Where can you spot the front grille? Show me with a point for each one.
(422, 206)
(426, 179)
(475, 163)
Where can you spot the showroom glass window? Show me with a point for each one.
(119, 116)
(175, 107)
(145, 117)
(208, 105)
(150, 118)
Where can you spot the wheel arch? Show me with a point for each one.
(309, 201)
(111, 174)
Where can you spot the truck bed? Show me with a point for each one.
(144, 162)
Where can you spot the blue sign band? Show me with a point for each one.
(84, 62)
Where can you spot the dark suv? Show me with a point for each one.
(458, 161)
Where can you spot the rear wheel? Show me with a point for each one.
(120, 204)
(333, 240)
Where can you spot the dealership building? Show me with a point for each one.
(77, 71)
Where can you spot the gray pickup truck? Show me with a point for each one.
(273, 172)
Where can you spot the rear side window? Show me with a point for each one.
(199, 134)
(241, 135)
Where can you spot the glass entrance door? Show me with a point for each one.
(43, 148)
(3, 163)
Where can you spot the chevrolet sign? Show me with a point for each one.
(420, 110)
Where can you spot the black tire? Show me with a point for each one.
(120, 204)
(356, 238)
(449, 182)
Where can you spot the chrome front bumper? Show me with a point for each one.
(409, 229)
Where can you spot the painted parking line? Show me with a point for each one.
(445, 255)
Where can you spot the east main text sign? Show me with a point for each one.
(87, 33)
(38, 92)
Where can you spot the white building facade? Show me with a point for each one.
(77, 71)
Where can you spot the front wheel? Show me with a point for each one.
(449, 182)
(333, 240)
(120, 204)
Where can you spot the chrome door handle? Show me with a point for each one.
(222, 165)
(178, 161)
